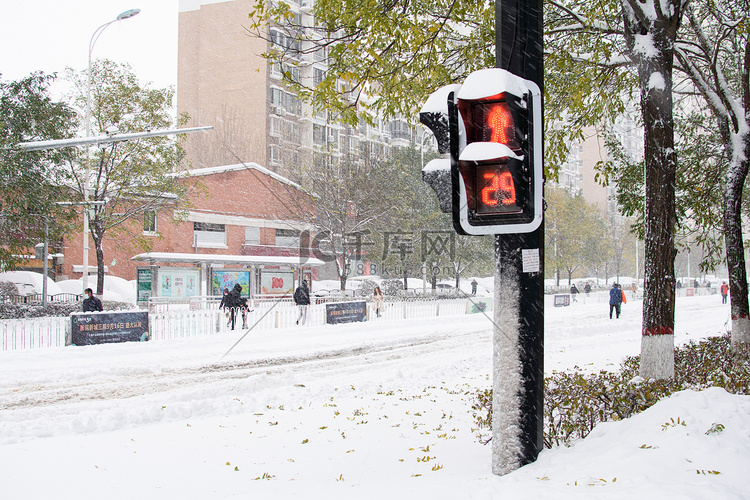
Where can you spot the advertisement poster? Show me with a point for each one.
(345, 312)
(227, 279)
(178, 282)
(144, 284)
(107, 328)
(478, 306)
(562, 300)
(277, 282)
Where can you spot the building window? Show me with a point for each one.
(275, 155)
(285, 101)
(252, 235)
(342, 142)
(206, 234)
(318, 76)
(275, 129)
(149, 222)
(287, 238)
(284, 41)
(319, 134)
(275, 96)
(294, 134)
(292, 104)
(333, 139)
(399, 130)
(276, 71)
(353, 145)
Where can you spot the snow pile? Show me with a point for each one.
(115, 289)
(29, 282)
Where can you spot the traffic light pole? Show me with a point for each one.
(518, 340)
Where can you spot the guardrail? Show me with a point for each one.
(198, 318)
(283, 313)
(34, 298)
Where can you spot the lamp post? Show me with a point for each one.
(124, 15)
(424, 264)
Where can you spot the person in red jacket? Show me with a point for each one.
(724, 292)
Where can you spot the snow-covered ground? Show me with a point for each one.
(370, 410)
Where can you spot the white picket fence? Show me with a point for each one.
(32, 333)
(185, 321)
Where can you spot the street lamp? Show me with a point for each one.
(124, 15)
(424, 264)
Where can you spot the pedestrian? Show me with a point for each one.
(474, 287)
(587, 288)
(233, 301)
(377, 299)
(223, 304)
(574, 292)
(724, 292)
(91, 303)
(634, 288)
(302, 299)
(244, 309)
(615, 299)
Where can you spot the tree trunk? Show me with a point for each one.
(657, 343)
(343, 272)
(97, 237)
(735, 249)
(656, 23)
(736, 175)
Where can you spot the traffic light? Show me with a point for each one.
(437, 173)
(495, 122)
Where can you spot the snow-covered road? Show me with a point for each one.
(93, 381)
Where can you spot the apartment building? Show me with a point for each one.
(578, 174)
(224, 81)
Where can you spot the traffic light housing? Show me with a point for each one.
(437, 173)
(495, 122)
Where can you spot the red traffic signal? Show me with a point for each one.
(496, 147)
(490, 121)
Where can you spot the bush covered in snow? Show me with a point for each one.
(576, 401)
(9, 310)
(7, 289)
(393, 287)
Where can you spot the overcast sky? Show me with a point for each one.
(50, 35)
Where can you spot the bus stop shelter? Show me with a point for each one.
(184, 275)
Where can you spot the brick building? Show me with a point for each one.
(242, 218)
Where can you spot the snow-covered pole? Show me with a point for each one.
(518, 341)
(491, 181)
